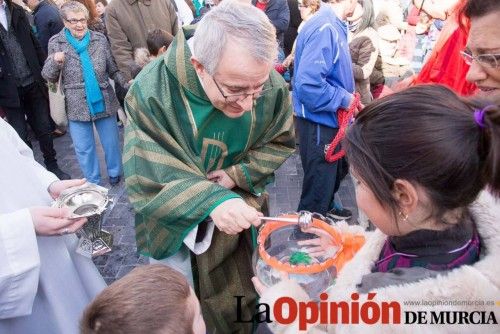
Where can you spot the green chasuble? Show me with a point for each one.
(220, 138)
(172, 140)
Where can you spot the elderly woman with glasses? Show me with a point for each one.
(83, 58)
(483, 47)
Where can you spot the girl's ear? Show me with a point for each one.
(406, 195)
(162, 50)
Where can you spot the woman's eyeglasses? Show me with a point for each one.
(75, 21)
(487, 60)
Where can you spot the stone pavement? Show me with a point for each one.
(119, 218)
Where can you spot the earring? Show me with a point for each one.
(405, 217)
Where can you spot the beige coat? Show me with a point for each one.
(477, 282)
(128, 23)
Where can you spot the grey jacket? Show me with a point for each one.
(72, 78)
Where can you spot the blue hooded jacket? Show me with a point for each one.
(323, 80)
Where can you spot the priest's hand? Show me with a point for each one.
(220, 177)
(57, 187)
(234, 215)
(54, 221)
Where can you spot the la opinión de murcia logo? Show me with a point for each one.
(286, 311)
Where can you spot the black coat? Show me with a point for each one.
(278, 12)
(35, 56)
(295, 20)
(48, 22)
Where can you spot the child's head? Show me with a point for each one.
(158, 41)
(308, 8)
(100, 6)
(421, 158)
(151, 299)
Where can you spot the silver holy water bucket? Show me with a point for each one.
(88, 200)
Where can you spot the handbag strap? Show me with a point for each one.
(59, 83)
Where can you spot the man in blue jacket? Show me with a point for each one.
(323, 84)
(48, 22)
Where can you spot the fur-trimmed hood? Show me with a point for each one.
(142, 57)
(477, 284)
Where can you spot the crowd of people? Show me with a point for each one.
(403, 95)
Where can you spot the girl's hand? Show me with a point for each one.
(259, 286)
(323, 246)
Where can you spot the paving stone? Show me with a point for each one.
(284, 196)
(124, 270)
(100, 261)
(109, 280)
(111, 269)
(128, 239)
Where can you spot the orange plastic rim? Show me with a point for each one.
(314, 268)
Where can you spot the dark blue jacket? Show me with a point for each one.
(278, 12)
(323, 80)
(48, 22)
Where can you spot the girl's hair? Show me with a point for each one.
(479, 8)
(90, 5)
(428, 136)
(368, 17)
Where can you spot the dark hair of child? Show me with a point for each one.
(157, 39)
(429, 136)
